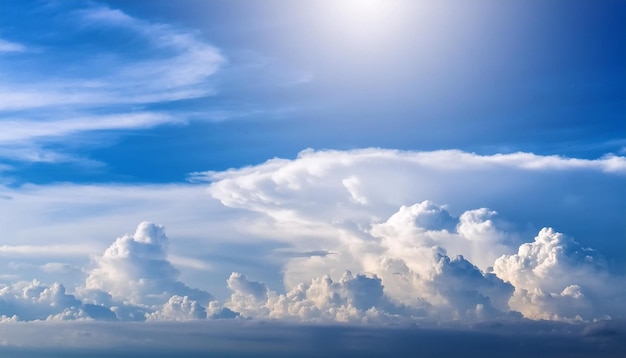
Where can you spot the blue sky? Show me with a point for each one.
(286, 76)
(359, 162)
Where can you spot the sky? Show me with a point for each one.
(348, 171)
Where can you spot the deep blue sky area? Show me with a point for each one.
(486, 77)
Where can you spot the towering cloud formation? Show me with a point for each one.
(554, 277)
(474, 234)
(430, 262)
(368, 247)
(135, 270)
(411, 276)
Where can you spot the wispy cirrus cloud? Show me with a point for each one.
(59, 250)
(102, 87)
(20, 131)
(172, 64)
(8, 46)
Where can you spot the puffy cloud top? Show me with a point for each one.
(352, 298)
(179, 308)
(556, 278)
(412, 259)
(35, 301)
(135, 269)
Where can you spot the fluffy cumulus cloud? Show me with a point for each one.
(410, 276)
(430, 262)
(366, 248)
(555, 277)
(474, 234)
(131, 280)
(179, 309)
(318, 191)
(35, 301)
(352, 298)
(135, 269)
(408, 252)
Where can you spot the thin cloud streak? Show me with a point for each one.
(7, 46)
(107, 81)
(189, 62)
(59, 250)
(24, 131)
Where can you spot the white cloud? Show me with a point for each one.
(33, 300)
(179, 308)
(31, 152)
(310, 192)
(135, 269)
(28, 130)
(413, 277)
(46, 250)
(175, 64)
(331, 201)
(187, 63)
(352, 184)
(76, 218)
(217, 311)
(455, 290)
(306, 226)
(46, 223)
(60, 267)
(350, 299)
(7, 46)
(313, 186)
(556, 278)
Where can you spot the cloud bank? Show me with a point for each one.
(430, 263)
(369, 241)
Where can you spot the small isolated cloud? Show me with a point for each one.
(20, 131)
(59, 268)
(45, 250)
(179, 308)
(135, 269)
(7, 46)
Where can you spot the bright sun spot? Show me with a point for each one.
(363, 17)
